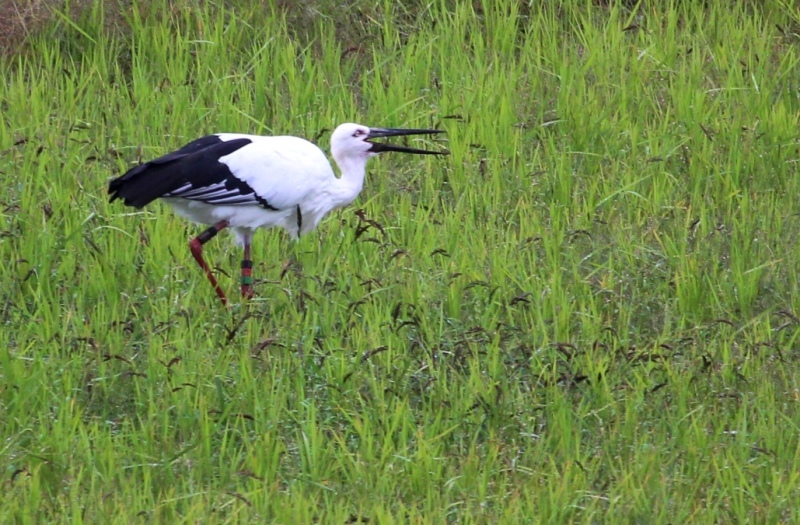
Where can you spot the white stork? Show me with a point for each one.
(247, 182)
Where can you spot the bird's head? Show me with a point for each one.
(356, 141)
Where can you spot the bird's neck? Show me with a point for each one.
(349, 185)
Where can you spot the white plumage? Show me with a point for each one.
(286, 172)
(247, 182)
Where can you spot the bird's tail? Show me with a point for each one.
(145, 183)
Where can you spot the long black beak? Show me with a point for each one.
(378, 147)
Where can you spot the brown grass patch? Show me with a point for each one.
(19, 18)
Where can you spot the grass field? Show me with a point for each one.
(587, 313)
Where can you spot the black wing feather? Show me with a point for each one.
(192, 172)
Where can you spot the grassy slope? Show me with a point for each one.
(586, 312)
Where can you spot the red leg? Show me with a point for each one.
(196, 245)
(247, 273)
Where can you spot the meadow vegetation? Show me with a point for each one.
(587, 313)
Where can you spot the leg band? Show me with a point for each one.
(247, 272)
(207, 235)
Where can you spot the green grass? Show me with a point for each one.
(587, 313)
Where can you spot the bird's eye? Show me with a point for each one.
(358, 133)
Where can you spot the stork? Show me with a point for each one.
(247, 182)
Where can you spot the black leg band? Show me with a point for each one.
(207, 235)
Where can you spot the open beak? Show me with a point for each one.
(378, 147)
